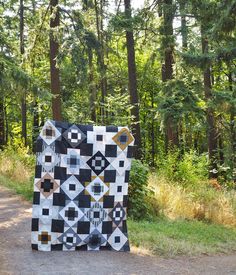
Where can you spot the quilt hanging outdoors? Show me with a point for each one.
(81, 187)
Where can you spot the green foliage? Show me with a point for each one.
(17, 170)
(138, 205)
(188, 169)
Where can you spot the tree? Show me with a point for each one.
(23, 97)
(171, 129)
(54, 50)
(210, 118)
(134, 99)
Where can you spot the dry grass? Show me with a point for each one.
(200, 202)
(16, 168)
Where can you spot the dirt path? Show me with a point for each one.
(16, 256)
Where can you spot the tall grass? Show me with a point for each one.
(17, 171)
(201, 203)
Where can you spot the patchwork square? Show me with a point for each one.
(81, 187)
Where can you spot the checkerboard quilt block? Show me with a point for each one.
(81, 187)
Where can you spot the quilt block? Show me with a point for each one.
(81, 187)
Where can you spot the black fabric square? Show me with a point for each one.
(36, 198)
(86, 149)
(74, 135)
(39, 145)
(83, 227)
(99, 137)
(124, 226)
(96, 214)
(111, 151)
(123, 139)
(84, 201)
(45, 212)
(109, 175)
(98, 162)
(117, 239)
(72, 187)
(85, 128)
(38, 171)
(121, 163)
(111, 129)
(106, 227)
(119, 188)
(108, 201)
(35, 224)
(73, 161)
(126, 176)
(58, 226)
(56, 247)
(130, 151)
(59, 199)
(69, 239)
(97, 189)
(82, 248)
(61, 147)
(60, 173)
(85, 175)
(125, 201)
(48, 159)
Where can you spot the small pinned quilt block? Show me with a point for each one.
(81, 187)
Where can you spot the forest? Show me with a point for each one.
(164, 68)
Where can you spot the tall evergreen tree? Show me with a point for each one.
(54, 50)
(134, 99)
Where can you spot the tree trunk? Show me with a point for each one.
(171, 129)
(22, 48)
(211, 125)
(101, 55)
(184, 31)
(153, 136)
(92, 87)
(24, 118)
(35, 123)
(2, 122)
(232, 127)
(23, 97)
(134, 100)
(35, 129)
(54, 49)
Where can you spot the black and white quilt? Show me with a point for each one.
(81, 187)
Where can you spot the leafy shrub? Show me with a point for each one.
(188, 169)
(138, 205)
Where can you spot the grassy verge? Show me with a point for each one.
(171, 238)
(23, 189)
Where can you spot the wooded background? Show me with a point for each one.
(166, 69)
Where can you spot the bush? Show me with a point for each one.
(187, 170)
(138, 205)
